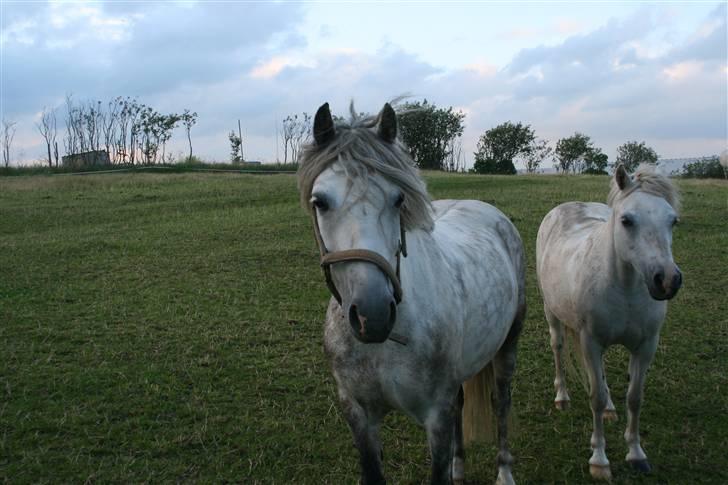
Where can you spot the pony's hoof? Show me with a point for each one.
(642, 466)
(458, 471)
(611, 415)
(562, 405)
(504, 476)
(601, 472)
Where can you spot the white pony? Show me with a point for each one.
(406, 333)
(605, 273)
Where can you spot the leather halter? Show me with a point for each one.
(329, 258)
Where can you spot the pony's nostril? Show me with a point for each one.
(357, 321)
(677, 279)
(659, 278)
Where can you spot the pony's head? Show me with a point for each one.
(363, 191)
(645, 209)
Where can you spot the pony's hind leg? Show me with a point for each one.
(593, 362)
(638, 363)
(556, 329)
(610, 412)
(504, 365)
(365, 430)
(458, 460)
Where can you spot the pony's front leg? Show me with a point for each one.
(440, 428)
(593, 353)
(638, 363)
(365, 429)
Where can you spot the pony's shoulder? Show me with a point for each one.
(571, 213)
(572, 218)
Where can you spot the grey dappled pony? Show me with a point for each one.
(427, 298)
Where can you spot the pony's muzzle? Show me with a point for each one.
(372, 323)
(665, 286)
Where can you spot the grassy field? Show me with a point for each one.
(166, 328)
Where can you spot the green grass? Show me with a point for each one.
(168, 327)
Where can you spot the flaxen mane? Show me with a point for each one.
(360, 151)
(646, 179)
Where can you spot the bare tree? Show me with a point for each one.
(109, 120)
(7, 140)
(287, 134)
(128, 130)
(295, 133)
(454, 160)
(189, 119)
(167, 124)
(128, 109)
(47, 129)
(536, 154)
(71, 139)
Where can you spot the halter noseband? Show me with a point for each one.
(329, 258)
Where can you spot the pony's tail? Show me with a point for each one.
(574, 358)
(479, 416)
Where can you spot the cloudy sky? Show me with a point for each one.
(653, 71)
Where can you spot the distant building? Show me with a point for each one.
(96, 158)
(674, 166)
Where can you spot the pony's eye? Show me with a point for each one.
(627, 221)
(320, 204)
(400, 200)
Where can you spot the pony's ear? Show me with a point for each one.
(323, 126)
(622, 177)
(388, 124)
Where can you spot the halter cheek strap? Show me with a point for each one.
(329, 258)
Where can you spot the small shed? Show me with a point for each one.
(94, 158)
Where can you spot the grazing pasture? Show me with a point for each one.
(169, 328)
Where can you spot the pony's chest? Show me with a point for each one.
(394, 379)
(629, 324)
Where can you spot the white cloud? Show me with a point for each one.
(246, 61)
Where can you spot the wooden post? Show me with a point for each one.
(240, 135)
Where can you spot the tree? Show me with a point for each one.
(632, 153)
(536, 154)
(7, 140)
(428, 132)
(455, 162)
(295, 132)
(706, 167)
(109, 120)
(499, 146)
(577, 154)
(570, 152)
(235, 146)
(595, 162)
(47, 129)
(189, 119)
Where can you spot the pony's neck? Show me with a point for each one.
(618, 269)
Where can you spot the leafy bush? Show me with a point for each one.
(708, 167)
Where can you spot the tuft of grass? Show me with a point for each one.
(168, 327)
